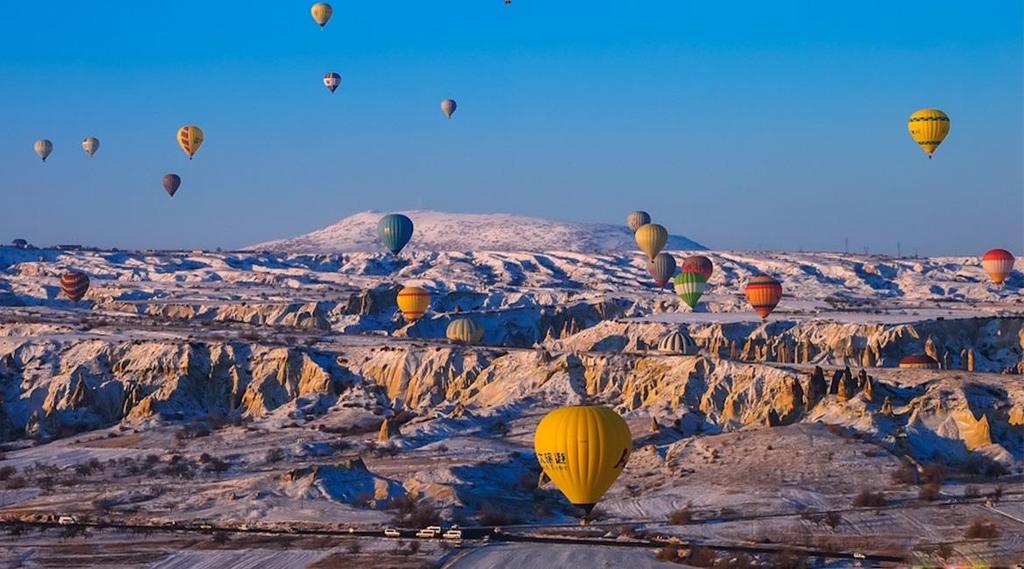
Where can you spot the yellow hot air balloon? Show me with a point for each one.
(413, 302)
(190, 138)
(583, 449)
(651, 238)
(928, 128)
(321, 12)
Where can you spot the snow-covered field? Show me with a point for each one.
(284, 390)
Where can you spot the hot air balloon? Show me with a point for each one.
(583, 449)
(448, 107)
(394, 231)
(413, 302)
(74, 285)
(171, 184)
(651, 238)
(764, 294)
(690, 286)
(465, 331)
(190, 138)
(637, 218)
(918, 361)
(43, 148)
(698, 264)
(91, 144)
(928, 128)
(332, 80)
(662, 267)
(321, 12)
(998, 263)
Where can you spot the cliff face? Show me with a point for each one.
(52, 388)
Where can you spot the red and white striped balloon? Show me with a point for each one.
(998, 263)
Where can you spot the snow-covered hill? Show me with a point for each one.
(441, 231)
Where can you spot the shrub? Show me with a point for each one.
(354, 547)
(868, 499)
(933, 474)
(493, 517)
(680, 516)
(668, 553)
(833, 519)
(982, 529)
(273, 456)
(906, 473)
(6, 472)
(929, 492)
(702, 557)
(971, 492)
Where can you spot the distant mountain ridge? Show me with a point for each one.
(441, 231)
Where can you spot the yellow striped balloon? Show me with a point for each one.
(651, 238)
(583, 450)
(465, 331)
(321, 12)
(413, 301)
(928, 128)
(190, 138)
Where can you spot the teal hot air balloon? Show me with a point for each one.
(690, 286)
(662, 267)
(395, 231)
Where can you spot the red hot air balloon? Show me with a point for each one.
(74, 285)
(998, 263)
(919, 361)
(698, 264)
(764, 294)
(171, 184)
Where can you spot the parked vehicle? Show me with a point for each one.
(426, 533)
(67, 520)
(453, 533)
(392, 532)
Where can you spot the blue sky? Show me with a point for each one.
(775, 125)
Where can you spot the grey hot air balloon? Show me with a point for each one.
(90, 145)
(662, 267)
(43, 148)
(637, 218)
(171, 184)
(448, 107)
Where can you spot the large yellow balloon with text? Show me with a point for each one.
(583, 450)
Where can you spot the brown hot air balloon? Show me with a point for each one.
(764, 294)
(74, 285)
(171, 184)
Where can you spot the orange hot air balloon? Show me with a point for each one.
(764, 294)
(413, 301)
(998, 263)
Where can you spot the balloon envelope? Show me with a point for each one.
(448, 107)
(413, 301)
(74, 285)
(321, 12)
(690, 287)
(651, 238)
(583, 449)
(43, 148)
(332, 81)
(91, 144)
(171, 184)
(465, 330)
(698, 264)
(998, 264)
(928, 128)
(918, 361)
(764, 294)
(637, 218)
(190, 138)
(395, 231)
(662, 267)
